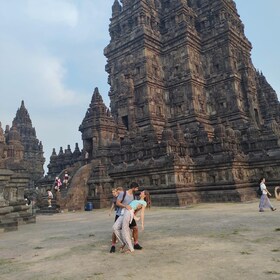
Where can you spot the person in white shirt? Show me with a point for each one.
(50, 197)
(265, 202)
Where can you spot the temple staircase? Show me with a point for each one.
(74, 197)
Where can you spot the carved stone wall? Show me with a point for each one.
(190, 117)
(199, 106)
(13, 208)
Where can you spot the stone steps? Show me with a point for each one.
(47, 211)
(8, 225)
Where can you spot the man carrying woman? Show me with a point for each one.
(123, 199)
(122, 225)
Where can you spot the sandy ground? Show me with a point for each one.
(206, 241)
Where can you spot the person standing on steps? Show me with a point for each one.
(50, 197)
(66, 179)
(124, 198)
(57, 184)
(265, 202)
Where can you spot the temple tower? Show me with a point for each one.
(33, 148)
(185, 66)
(135, 66)
(190, 117)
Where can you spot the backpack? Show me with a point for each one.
(259, 191)
(124, 194)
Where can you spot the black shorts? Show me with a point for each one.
(132, 225)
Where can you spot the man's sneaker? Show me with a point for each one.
(137, 247)
(113, 249)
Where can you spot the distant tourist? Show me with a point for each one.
(115, 193)
(87, 157)
(66, 179)
(122, 225)
(276, 192)
(50, 197)
(265, 202)
(114, 200)
(57, 184)
(27, 200)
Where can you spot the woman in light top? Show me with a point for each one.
(265, 202)
(121, 226)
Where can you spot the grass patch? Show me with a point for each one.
(56, 238)
(275, 250)
(5, 262)
(38, 248)
(272, 272)
(260, 240)
(83, 249)
(245, 253)
(57, 256)
(8, 266)
(130, 275)
(227, 234)
(174, 262)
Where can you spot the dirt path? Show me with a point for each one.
(201, 242)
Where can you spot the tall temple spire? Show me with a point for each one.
(116, 8)
(33, 148)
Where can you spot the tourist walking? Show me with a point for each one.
(121, 226)
(265, 202)
(65, 179)
(50, 197)
(57, 184)
(124, 198)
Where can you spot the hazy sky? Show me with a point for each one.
(51, 55)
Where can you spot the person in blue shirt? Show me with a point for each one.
(121, 226)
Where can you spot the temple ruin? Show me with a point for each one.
(21, 166)
(190, 119)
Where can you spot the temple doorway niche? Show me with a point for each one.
(257, 118)
(88, 146)
(125, 121)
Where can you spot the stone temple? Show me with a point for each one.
(21, 166)
(190, 119)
